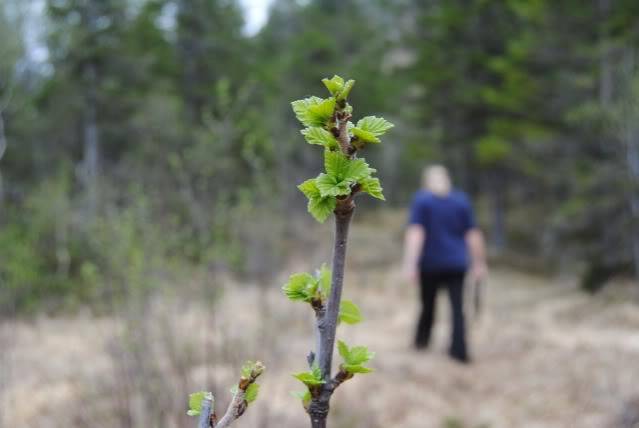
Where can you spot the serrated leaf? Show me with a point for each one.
(336, 164)
(349, 312)
(374, 125)
(346, 90)
(319, 206)
(300, 286)
(322, 207)
(314, 111)
(365, 136)
(355, 368)
(195, 402)
(334, 84)
(320, 136)
(354, 358)
(329, 185)
(357, 170)
(359, 355)
(308, 379)
(341, 173)
(373, 187)
(251, 392)
(343, 349)
(309, 188)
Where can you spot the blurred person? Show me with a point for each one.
(442, 244)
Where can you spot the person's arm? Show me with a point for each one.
(413, 244)
(477, 249)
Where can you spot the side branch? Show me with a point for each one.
(238, 404)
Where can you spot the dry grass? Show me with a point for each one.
(545, 355)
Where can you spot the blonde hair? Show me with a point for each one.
(436, 179)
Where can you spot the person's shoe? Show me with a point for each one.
(461, 359)
(420, 346)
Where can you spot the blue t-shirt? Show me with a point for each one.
(445, 219)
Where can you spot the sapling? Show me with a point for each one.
(328, 123)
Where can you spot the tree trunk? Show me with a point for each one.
(91, 143)
(3, 147)
(498, 208)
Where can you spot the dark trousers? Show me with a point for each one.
(430, 283)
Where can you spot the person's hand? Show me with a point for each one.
(410, 273)
(478, 271)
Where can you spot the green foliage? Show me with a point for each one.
(311, 378)
(195, 402)
(319, 206)
(349, 312)
(343, 173)
(370, 128)
(320, 136)
(338, 88)
(301, 286)
(314, 111)
(251, 392)
(355, 358)
(306, 287)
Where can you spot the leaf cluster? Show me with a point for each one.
(344, 174)
(314, 289)
(354, 358)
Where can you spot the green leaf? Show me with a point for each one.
(251, 392)
(359, 355)
(343, 349)
(373, 187)
(374, 125)
(247, 368)
(195, 402)
(356, 368)
(300, 286)
(320, 136)
(357, 170)
(341, 173)
(309, 378)
(319, 206)
(336, 164)
(334, 84)
(314, 111)
(349, 312)
(329, 185)
(365, 136)
(346, 90)
(309, 188)
(322, 207)
(354, 358)
(324, 277)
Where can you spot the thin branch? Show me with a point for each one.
(205, 413)
(238, 404)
